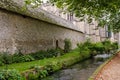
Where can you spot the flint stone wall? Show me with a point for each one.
(27, 34)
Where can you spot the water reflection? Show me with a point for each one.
(79, 71)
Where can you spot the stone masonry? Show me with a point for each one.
(30, 31)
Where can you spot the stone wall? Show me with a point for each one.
(26, 34)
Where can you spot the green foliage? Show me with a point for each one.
(67, 46)
(47, 54)
(1, 63)
(5, 58)
(97, 48)
(38, 74)
(17, 58)
(85, 52)
(83, 49)
(10, 75)
(39, 55)
(106, 12)
(50, 68)
(32, 76)
(1, 60)
(42, 73)
(49, 64)
(33, 3)
(107, 46)
(27, 58)
(53, 53)
(114, 46)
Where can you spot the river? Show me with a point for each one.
(80, 71)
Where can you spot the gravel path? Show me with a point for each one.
(111, 71)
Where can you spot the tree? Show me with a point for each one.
(106, 12)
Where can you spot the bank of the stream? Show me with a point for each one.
(43, 65)
(53, 64)
(80, 71)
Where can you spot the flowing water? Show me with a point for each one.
(80, 71)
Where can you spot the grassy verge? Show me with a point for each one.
(42, 68)
(67, 59)
(101, 66)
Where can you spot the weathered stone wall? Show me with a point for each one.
(26, 34)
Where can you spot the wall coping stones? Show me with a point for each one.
(17, 6)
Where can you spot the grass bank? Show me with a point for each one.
(56, 62)
(68, 59)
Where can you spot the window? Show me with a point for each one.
(108, 32)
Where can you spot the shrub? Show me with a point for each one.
(67, 46)
(1, 63)
(99, 47)
(47, 54)
(27, 58)
(114, 46)
(10, 75)
(88, 48)
(1, 60)
(17, 58)
(32, 76)
(86, 52)
(83, 49)
(107, 46)
(52, 53)
(80, 47)
(59, 51)
(6, 58)
(55, 52)
(39, 73)
(39, 55)
(89, 45)
(50, 68)
(42, 73)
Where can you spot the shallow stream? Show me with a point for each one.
(80, 71)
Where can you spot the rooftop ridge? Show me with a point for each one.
(37, 13)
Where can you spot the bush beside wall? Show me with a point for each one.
(97, 48)
(6, 58)
(10, 75)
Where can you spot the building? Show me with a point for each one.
(32, 30)
(35, 29)
(90, 30)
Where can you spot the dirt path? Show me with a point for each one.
(111, 71)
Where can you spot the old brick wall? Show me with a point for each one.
(26, 34)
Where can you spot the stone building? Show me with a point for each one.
(90, 30)
(32, 30)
